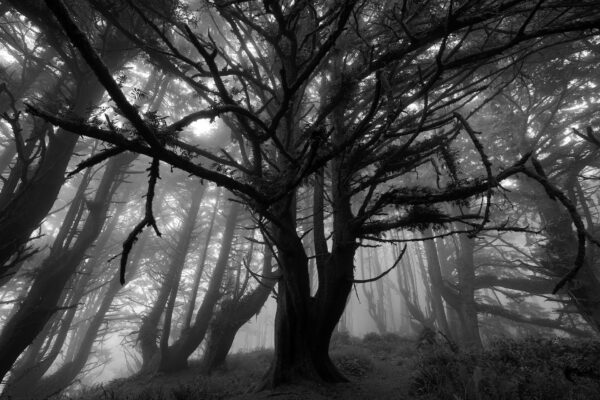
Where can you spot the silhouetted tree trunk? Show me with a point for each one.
(437, 282)
(467, 308)
(373, 290)
(200, 269)
(234, 313)
(42, 300)
(66, 373)
(180, 255)
(175, 357)
(584, 290)
(29, 371)
(304, 324)
(148, 333)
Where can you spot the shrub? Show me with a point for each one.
(535, 368)
(372, 337)
(341, 339)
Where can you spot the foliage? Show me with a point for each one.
(534, 368)
(342, 339)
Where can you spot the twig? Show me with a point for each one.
(384, 273)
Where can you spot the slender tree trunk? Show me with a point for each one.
(66, 374)
(175, 357)
(437, 283)
(468, 308)
(200, 270)
(148, 333)
(180, 256)
(42, 300)
(30, 370)
(24, 213)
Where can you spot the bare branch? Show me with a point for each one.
(385, 272)
(147, 221)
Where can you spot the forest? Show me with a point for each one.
(353, 199)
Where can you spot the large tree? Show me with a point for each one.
(366, 91)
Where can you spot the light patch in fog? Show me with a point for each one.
(203, 127)
(5, 57)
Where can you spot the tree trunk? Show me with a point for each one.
(187, 322)
(437, 283)
(148, 333)
(30, 370)
(175, 357)
(234, 313)
(30, 205)
(468, 308)
(584, 290)
(42, 300)
(304, 324)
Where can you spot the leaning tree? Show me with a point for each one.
(351, 99)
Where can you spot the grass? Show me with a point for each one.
(392, 367)
(530, 369)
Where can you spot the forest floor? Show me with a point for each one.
(377, 369)
(392, 367)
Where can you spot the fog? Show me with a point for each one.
(223, 198)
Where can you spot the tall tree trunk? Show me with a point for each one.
(187, 322)
(179, 258)
(437, 282)
(175, 357)
(30, 205)
(42, 300)
(466, 286)
(148, 333)
(66, 374)
(30, 370)
(584, 290)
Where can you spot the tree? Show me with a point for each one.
(234, 312)
(39, 171)
(365, 90)
(43, 298)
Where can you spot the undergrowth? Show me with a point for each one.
(534, 368)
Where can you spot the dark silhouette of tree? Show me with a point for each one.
(39, 171)
(42, 300)
(165, 302)
(365, 90)
(234, 311)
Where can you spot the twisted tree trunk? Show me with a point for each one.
(175, 357)
(233, 314)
